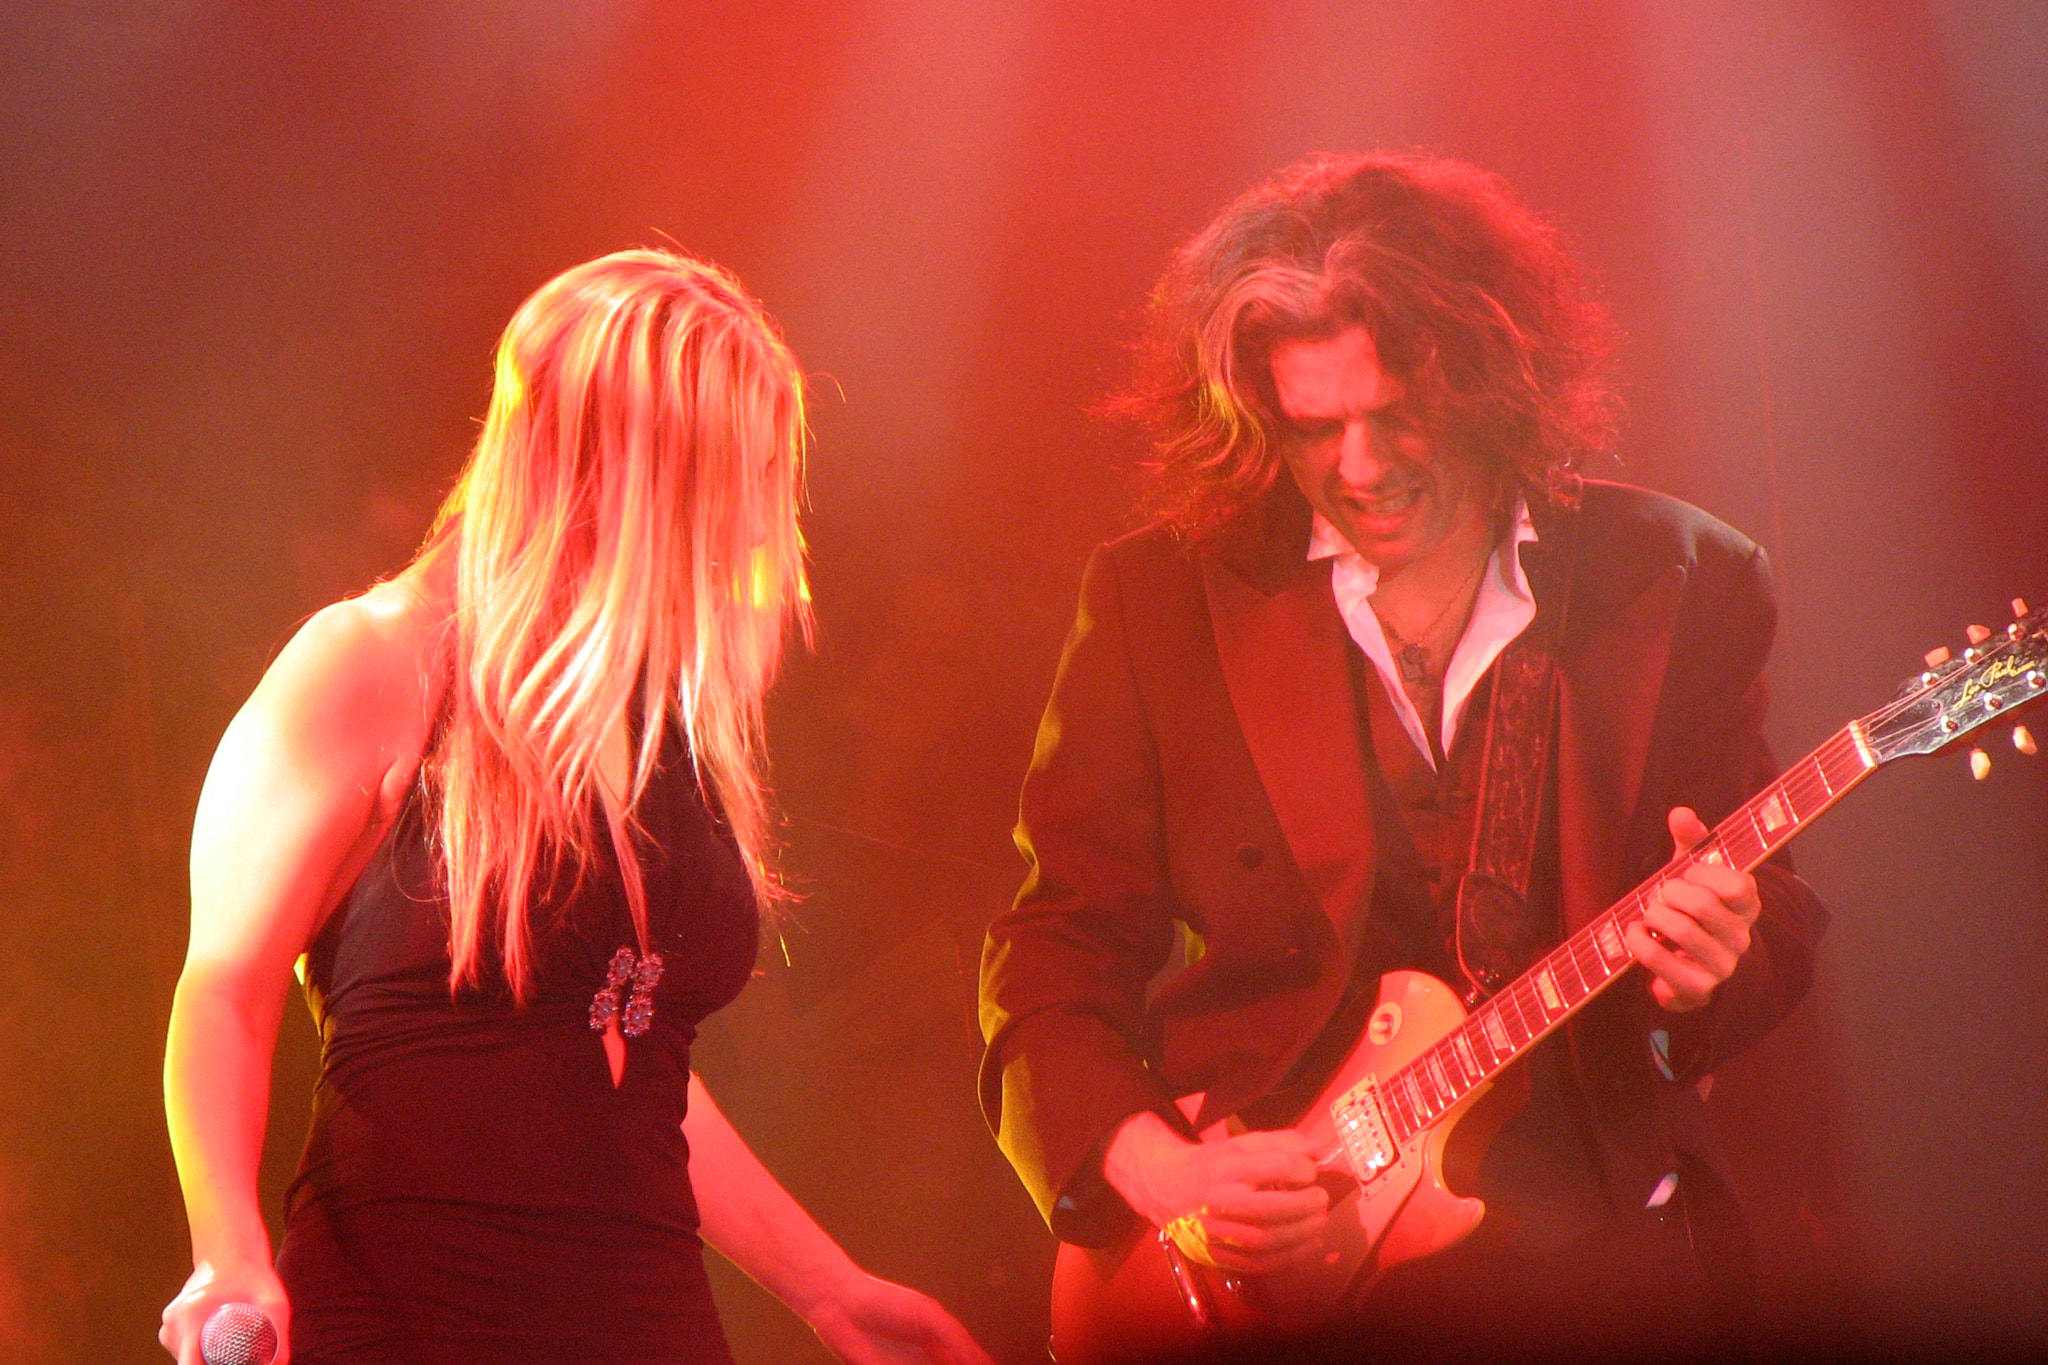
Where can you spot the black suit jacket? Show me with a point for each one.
(1200, 765)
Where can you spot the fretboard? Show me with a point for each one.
(1519, 1016)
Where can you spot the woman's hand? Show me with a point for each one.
(207, 1290)
(752, 1222)
(869, 1321)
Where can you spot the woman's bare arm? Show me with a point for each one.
(750, 1219)
(307, 776)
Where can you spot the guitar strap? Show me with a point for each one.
(1495, 936)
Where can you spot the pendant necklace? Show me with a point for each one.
(1411, 656)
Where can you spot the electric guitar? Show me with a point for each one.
(1381, 1123)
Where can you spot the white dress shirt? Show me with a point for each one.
(1503, 609)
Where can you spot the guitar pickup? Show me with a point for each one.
(1362, 1128)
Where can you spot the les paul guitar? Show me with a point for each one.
(1423, 1062)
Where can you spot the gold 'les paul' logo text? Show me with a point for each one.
(2008, 667)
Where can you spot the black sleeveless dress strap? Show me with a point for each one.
(474, 1187)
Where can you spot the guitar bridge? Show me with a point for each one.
(1362, 1128)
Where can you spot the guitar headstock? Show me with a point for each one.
(1991, 680)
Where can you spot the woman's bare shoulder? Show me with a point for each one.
(362, 674)
(310, 772)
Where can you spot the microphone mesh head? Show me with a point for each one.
(238, 1334)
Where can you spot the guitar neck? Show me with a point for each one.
(1529, 1008)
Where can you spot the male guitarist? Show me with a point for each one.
(1378, 607)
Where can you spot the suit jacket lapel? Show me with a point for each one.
(1282, 647)
(1611, 674)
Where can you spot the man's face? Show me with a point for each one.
(1361, 460)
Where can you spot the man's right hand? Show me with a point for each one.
(1248, 1203)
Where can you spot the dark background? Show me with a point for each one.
(253, 258)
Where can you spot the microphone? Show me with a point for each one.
(238, 1334)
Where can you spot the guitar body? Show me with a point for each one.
(1141, 1299)
(1144, 1301)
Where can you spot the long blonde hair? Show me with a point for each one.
(626, 542)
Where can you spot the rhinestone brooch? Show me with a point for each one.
(633, 979)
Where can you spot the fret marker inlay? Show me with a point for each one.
(1465, 1055)
(1774, 815)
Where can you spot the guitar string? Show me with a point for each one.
(1989, 652)
(1582, 954)
(1808, 780)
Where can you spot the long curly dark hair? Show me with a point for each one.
(1469, 297)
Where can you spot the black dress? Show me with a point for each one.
(474, 1188)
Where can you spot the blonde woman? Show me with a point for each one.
(509, 806)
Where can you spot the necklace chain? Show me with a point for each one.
(1413, 656)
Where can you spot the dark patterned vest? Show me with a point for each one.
(1539, 1174)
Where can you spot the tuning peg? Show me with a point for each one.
(2019, 607)
(1978, 634)
(1937, 656)
(2024, 741)
(1980, 764)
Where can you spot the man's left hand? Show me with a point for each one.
(1697, 926)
